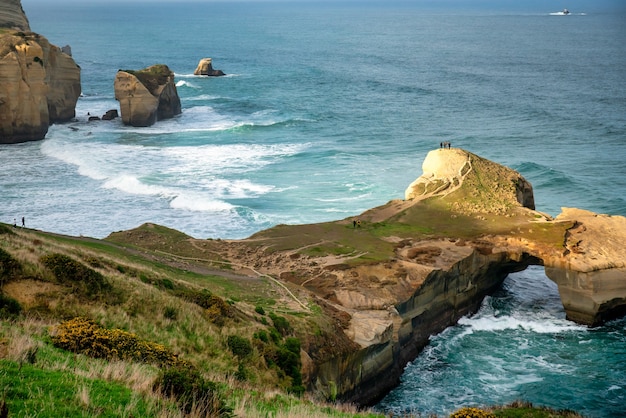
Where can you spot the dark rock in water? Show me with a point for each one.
(110, 114)
(93, 118)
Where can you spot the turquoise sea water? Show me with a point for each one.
(328, 109)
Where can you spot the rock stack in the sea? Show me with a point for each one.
(147, 95)
(205, 67)
(39, 83)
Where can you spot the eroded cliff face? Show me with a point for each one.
(147, 95)
(12, 15)
(39, 85)
(369, 291)
(393, 334)
(411, 268)
(591, 273)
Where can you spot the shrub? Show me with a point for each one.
(281, 324)
(468, 412)
(9, 307)
(6, 230)
(275, 335)
(262, 335)
(9, 266)
(287, 358)
(69, 271)
(170, 313)
(240, 346)
(259, 310)
(84, 336)
(167, 284)
(201, 298)
(219, 310)
(293, 344)
(191, 391)
(241, 374)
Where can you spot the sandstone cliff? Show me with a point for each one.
(413, 267)
(12, 15)
(39, 85)
(147, 95)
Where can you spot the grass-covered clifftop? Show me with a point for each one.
(153, 322)
(152, 77)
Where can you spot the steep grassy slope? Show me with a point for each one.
(235, 331)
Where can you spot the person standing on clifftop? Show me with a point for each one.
(23, 222)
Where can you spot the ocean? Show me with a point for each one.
(328, 109)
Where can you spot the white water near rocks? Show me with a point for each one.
(328, 109)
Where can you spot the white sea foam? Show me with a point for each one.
(538, 324)
(237, 157)
(200, 97)
(196, 202)
(183, 83)
(131, 184)
(343, 199)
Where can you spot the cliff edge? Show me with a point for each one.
(39, 83)
(12, 16)
(399, 273)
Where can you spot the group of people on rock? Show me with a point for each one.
(446, 144)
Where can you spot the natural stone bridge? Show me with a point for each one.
(415, 266)
(412, 267)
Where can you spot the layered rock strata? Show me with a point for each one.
(399, 273)
(12, 15)
(39, 85)
(416, 266)
(147, 96)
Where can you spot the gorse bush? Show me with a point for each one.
(216, 307)
(84, 336)
(472, 413)
(71, 272)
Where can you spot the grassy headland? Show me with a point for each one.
(153, 322)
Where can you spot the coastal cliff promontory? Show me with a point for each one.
(358, 298)
(399, 273)
(39, 83)
(147, 95)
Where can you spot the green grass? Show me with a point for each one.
(30, 390)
